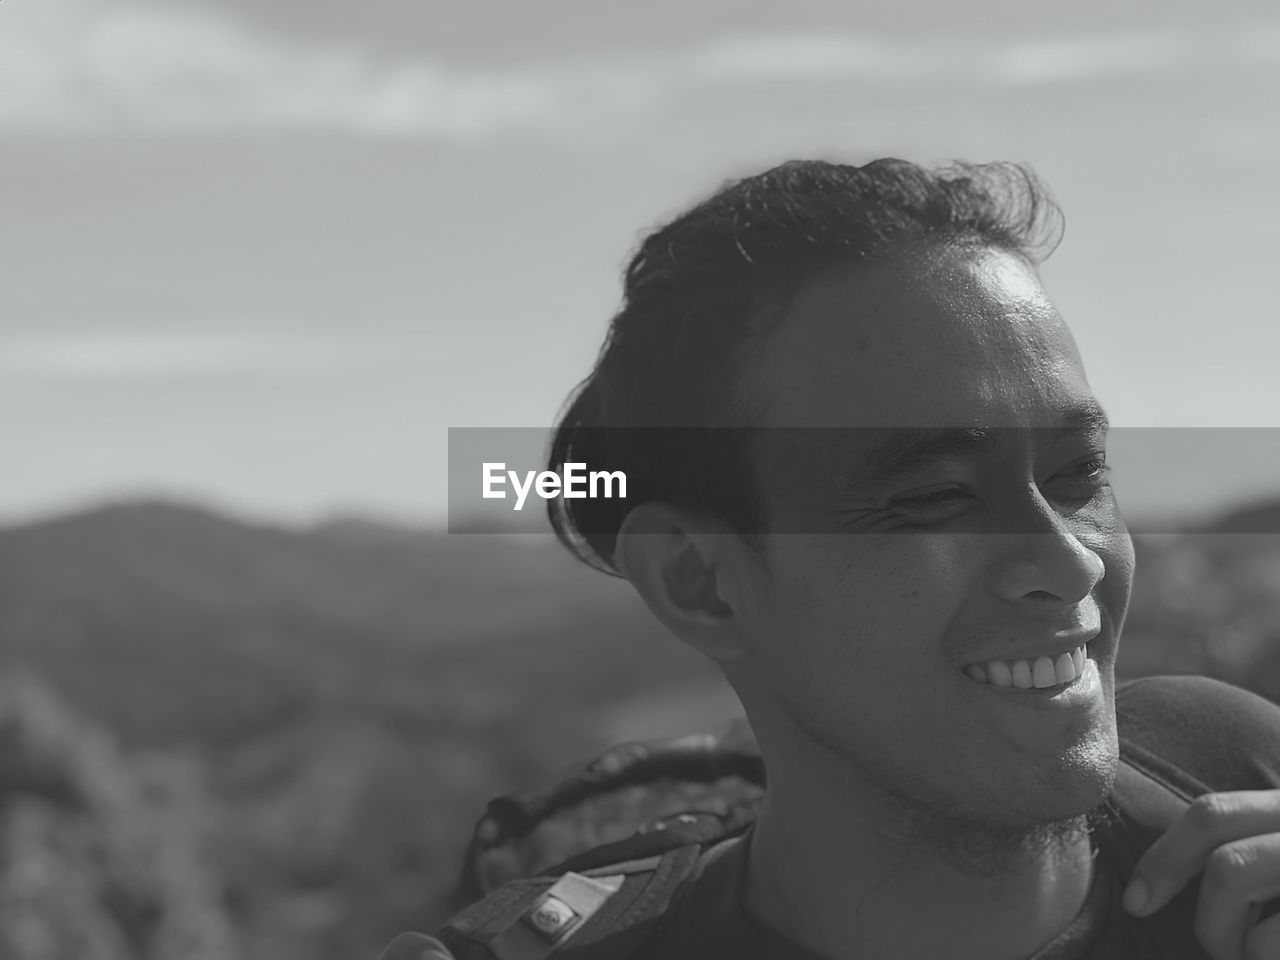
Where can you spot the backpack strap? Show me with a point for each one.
(1148, 797)
(728, 767)
(601, 913)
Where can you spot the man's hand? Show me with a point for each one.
(1234, 839)
(415, 946)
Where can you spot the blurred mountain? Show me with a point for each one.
(1261, 517)
(346, 572)
(154, 616)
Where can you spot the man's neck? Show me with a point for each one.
(845, 891)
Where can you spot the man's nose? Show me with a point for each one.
(1047, 566)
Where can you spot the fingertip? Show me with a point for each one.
(1137, 896)
(415, 946)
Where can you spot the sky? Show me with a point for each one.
(263, 256)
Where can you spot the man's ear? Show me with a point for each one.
(693, 574)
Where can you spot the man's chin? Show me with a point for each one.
(1036, 821)
(990, 850)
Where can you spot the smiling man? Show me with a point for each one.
(927, 659)
(868, 479)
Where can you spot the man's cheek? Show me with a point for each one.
(1113, 591)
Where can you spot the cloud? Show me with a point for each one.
(1091, 58)
(832, 57)
(96, 67)
(821, 57)
(1262, 43)
(77, 66)
(148, 356)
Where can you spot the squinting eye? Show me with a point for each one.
(1093, 469)
(1091, 474)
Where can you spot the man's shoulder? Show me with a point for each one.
(1225, 737)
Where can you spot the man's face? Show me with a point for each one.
(866, 620)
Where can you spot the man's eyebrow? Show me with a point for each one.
(903, 450)
(1088, 417)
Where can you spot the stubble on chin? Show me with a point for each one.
(995, 836)
(991, 845)
(984, 851)
(930, 824)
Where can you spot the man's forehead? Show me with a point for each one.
(927, 273)
(965, 339)
(883, 446)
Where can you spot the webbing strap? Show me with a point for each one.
(554, 917)
(1144, 806)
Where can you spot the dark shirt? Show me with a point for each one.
(1216, 734)
(1097, 932)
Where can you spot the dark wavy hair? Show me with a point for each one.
(702, 287)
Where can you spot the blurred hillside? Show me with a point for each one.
(261, 742)
(348, 696)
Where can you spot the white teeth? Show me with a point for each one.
(999, 674)
(1042, 673)
(1064, 669)
(1022, 675)
(1025, 674)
